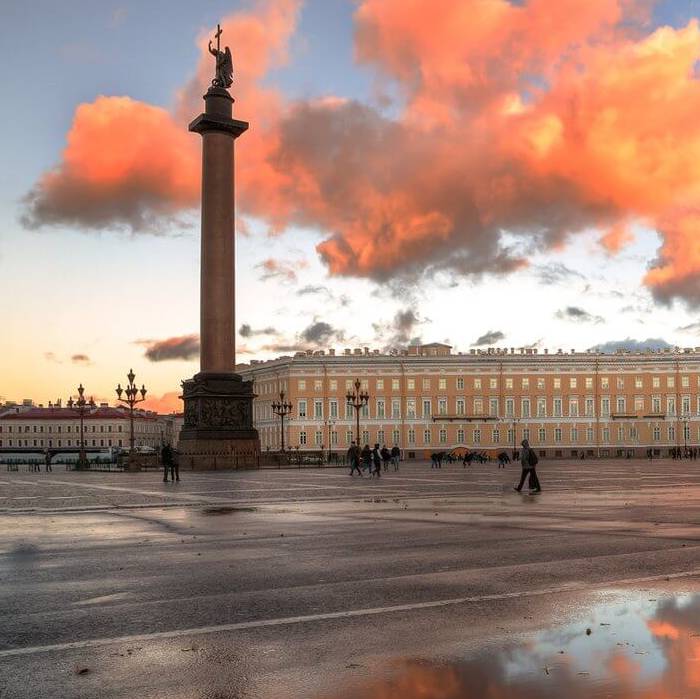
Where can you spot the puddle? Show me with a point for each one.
(644, 647)
(224, 510)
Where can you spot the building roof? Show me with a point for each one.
(97, 413)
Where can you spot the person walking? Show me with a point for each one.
(366, 457)
(395, 456)
(386, 458)
(528, 463)
(377, 460)
(354, 459)
(48, 462)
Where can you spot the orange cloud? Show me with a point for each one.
(537, 119)
(167, 403)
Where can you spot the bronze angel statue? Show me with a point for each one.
(224, 66)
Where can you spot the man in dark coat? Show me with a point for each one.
(528, 462)
(354, 458)
(169, 460)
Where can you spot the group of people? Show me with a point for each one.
(372, 460)
(168, 457)
(678, 453)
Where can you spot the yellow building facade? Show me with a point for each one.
(428, 399)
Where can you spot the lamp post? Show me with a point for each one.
(686, 420)
(515, 421)
(358, 399)
(282, 408)
(131, 400)
(81, 405)
(330, 424)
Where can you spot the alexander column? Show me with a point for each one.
(218, 428)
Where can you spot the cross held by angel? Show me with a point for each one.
(224, 62)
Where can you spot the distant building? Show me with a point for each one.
(426, 398)
(59, 427)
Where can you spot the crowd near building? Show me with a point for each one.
(427, 398)
(29, 426)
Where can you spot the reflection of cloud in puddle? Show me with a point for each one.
(637, 649)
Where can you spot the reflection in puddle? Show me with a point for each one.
(637, 648)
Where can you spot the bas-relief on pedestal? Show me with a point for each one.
(218, 430)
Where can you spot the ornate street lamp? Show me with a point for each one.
(132, 399)
(515, 422)
(358, 399)
(282, 408)
(686, 420)
(81, 406)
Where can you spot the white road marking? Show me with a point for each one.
(345, 614)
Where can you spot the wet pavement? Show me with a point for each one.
(312, 584)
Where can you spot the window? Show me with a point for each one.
(620, 381)
(574, 434)
(477, 384)
(443, 436)
(333, 384)
(621, 405)
(364, 384)
(540, 384)
(638, 404)
(685, 381)
(572, 382)
(590, 407)
(656, 404)
(541, 407)
(394, 384)
(573, 407)
(589, 382)
(365, 437)
(460, 436)
(364, 411)
(604, 382)
(605, 407)
(333, 408)
(318, 385)
(302, 408)
(589, 434)
(427, 408)
(380, 437)
(637, 381)
(556, 405)
(442, 384)
(685, 405)
(460, 406)
(478, 406)
(557, 434)
(557, 382)
(606, 434)
(525, 384)
(526, 433)
(670, 382)
(318, 410)
(671, 433)
(426, 436)
(510, 407)
(426, 384)
(380, 409)
(495, 436)
(348, 437)
(349, 411)
(525, 407)
(511, 435)
(301, 384)
(493, 407)
(620, 433)
(442, 406)
(411, 408)
(396, 408)
(349, 385)
(334, 438)
(656, 433)
(411, 436)
(656, 382)
(509, 384)
(670, 405)
(380, 384)
(395, 437)
(493, 384)
(542, 434)
(477, 436)
(460, 384)
(411, 384)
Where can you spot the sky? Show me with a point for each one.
(476, 172)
